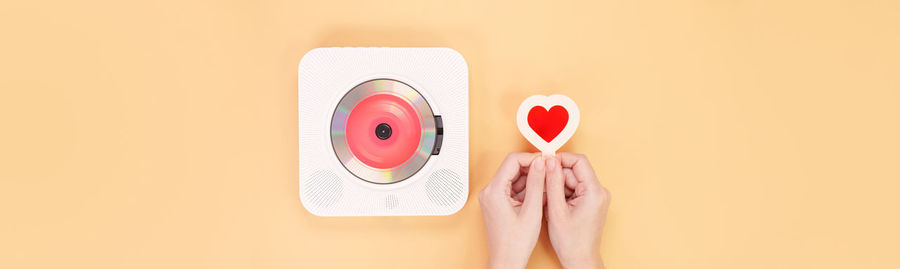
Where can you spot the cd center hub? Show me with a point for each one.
(383, 131)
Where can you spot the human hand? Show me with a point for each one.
(512, 214)
(576, 210)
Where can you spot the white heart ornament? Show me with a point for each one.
(548, 122)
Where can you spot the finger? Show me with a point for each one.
(556, 195)
(520, 196)
(519, 184)
(571, 182)
(579, 164)
(509, 169)
(534, 190)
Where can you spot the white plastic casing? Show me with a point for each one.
(441, 187)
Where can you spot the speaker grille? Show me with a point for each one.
(444, 187)
(323, 188)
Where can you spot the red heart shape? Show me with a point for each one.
(548, 124)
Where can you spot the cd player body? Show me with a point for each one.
(383, 131)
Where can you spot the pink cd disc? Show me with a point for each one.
(382, 112)
(383, 131)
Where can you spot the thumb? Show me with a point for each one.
(534, 189)
(556, 194)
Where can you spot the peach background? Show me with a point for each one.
(732, 134)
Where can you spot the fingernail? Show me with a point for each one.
(539, 163)
(551, 164)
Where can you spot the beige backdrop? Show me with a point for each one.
(732, 134)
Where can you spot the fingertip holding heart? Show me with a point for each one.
(548, 122)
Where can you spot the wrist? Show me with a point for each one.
(506, 262)
(582, 262)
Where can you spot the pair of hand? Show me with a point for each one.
(527, 187)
